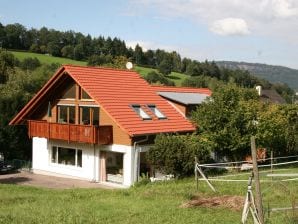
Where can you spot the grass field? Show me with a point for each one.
(47, 59)
(151, 203)
(174, 76)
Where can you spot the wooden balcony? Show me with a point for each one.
(71, 132)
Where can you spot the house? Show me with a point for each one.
(184, 99)
(269, 96)
(97, 123)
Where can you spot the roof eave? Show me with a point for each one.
(19, 118)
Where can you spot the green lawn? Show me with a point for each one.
(174, 76)
(47, 59)
(152, 203)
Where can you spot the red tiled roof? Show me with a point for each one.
(182, 89)
(115, 91)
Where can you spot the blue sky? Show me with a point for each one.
(263, 31)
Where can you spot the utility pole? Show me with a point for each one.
(257, 179)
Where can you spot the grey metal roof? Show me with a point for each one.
(184, 98)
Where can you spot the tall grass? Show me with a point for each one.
(151, 203)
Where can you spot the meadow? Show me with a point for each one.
(47, 59)
(158, 202)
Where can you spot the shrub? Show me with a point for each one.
(154, 77)
(175, 153)
(30, 63)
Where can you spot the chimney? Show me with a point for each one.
(259, 89)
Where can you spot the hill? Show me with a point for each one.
(271, 73)
(47, 59)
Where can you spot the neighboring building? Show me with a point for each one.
(97, 123)
(185, 99)
(269, 96)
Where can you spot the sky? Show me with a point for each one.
(258, 31)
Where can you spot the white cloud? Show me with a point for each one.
(274, 18)
(269, 22)
(146, 45)
(230, 26)
(284, 9)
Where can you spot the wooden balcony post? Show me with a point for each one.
(48, 131)
(29, 128)
(68, 132)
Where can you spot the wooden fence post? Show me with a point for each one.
(257, 179)
(196, 172)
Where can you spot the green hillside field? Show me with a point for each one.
(174, 76)
(45, 58)
(48, 59)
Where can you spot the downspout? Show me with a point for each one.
(136, 158)
(94, 164)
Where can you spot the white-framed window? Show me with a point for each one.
(156, 111)
(66, 156)
(137, 108)
(89, 115)
(66, 114)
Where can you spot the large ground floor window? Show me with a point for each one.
(66, 156)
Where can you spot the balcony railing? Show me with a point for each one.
(71, 132)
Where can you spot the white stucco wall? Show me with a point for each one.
(42, 160)
(39, 153)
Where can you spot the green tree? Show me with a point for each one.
(98, 60)
(78, 52)
(138, 55)
(277, 128)
(156, 78)
(7, 63)
(226, 120)
(166, 65)
(174, 154)
(14, 94)
(67, 51)
(30, 63)
(15, 36)
(53, 49)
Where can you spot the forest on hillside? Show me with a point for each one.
(272, 73)
(108, 51)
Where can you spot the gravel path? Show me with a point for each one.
(38, 180)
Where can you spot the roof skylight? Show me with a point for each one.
(156, 111)
(137, 108)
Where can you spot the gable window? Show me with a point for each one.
(66, 156)
(84, 95)
(66, 114)
(137, 108)
(70, 93)
(156, 112)
(89, 115)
